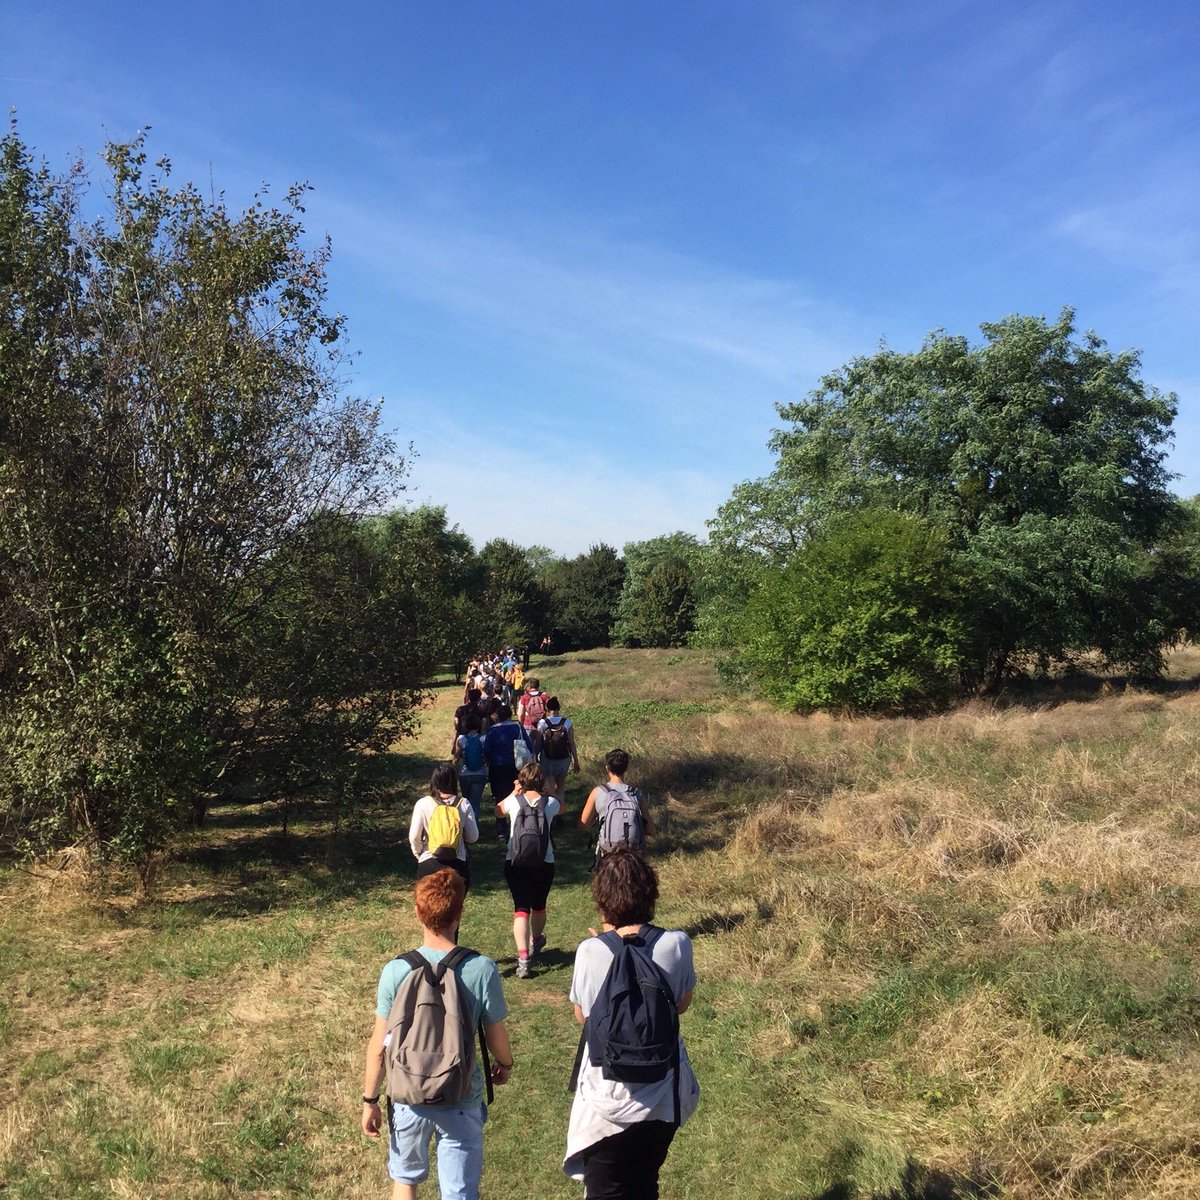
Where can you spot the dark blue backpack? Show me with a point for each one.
(632, 1030)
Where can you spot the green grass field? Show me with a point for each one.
(937, 957)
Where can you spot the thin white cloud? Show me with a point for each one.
(535, 497)
(669, 338)
(635, 295)
(1145, 233)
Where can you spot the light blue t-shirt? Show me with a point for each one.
(480, 979)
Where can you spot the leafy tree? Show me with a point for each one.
(586, 592)
(174, 425)
(668, 611)
(449, 580)
(515, 603)
(658, 601)
(866, 615)
(332, 658)
(1040, 453)
(1172, 574)
(542, 560)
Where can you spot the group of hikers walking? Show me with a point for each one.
(633, 1086)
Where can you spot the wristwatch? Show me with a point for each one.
(371, 1099)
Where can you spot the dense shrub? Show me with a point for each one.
(866, 615)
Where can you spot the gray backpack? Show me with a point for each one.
(530, 837)
(429, 1046)
(622, 820)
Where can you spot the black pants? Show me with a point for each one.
(430, 865)
(501, 780)
(626, 1166)
(529, 886)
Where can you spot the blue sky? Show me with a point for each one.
(584, 248)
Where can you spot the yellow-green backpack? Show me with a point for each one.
(445, 830)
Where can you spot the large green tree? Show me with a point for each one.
(448, 579)
(1039, 452)
(515, 602)
(173, 430)
(585, 593)
(658, 600)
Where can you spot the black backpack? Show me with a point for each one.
(632, 1030)
(556, 741)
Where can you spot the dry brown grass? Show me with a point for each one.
(1067, 829)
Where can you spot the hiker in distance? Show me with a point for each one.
(507, 748)
(633, 1083)
(437, 982)
(623, 815)
(442, 824)
(529, 861)
(467, 753)
(531, 707)
(556, 749)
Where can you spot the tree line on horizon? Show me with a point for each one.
(209, 590)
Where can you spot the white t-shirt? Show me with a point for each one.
(604, 1107)
(418, 828)
(511, 807)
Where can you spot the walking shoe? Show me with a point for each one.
(522, 968)
(539, 943)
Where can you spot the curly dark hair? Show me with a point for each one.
(625, 887)
(617, 762)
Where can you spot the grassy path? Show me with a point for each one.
(927, 950)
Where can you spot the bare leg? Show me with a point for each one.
(404, 1191)
(538, 921)
(521, 933)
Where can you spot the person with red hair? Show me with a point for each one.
(458, 1129)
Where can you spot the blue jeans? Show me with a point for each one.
(472, 790)
(459, 1133)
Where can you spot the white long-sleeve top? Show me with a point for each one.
(418, 829)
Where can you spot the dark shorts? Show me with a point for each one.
(626, 1165)
(529, 886)
(432, 865)
(501, 780)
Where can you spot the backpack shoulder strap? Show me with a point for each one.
(458, 955)
(613, 940)
(650, 934)
(579, 1053)
(417, 962)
